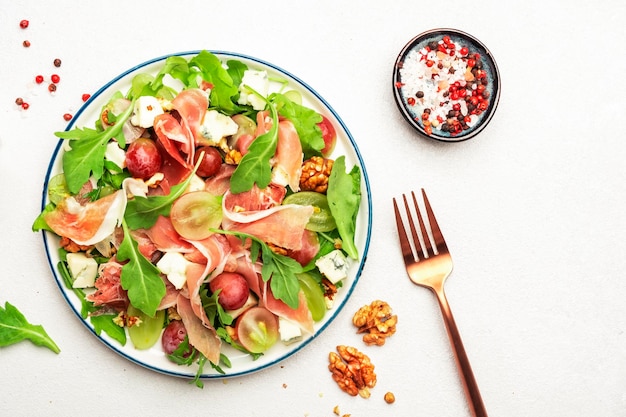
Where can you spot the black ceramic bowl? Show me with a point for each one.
(446, 84)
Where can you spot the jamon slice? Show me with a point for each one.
(89, 223)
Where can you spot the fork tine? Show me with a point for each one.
(440, 242)
(407, 253)
(427, 243)
(416, 239)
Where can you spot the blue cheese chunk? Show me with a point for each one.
(333, 265)
(146, 109)
(216, 126)
(289, 331)
(83, 269)
(174, 266)
(257, 81)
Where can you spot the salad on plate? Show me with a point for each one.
(206, 214)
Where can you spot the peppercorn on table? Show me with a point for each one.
(532, 209)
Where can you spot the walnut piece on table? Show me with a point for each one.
(377, 321)
(352, 370)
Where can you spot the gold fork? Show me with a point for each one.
(429, 267)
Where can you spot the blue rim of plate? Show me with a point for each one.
(113, 345)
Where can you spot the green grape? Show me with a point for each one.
(322, 220)
(314, 295)
(146, 334)
(57, 189)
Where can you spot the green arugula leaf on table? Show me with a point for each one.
(139, 277)
(14, 328)
(255, 166)
(344, 198)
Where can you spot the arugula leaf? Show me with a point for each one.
(236, 69)
(175, 66)
(185, 354)
(86, 306)
(101, 322)
(143, 212)
(40, 223)
(305, 121)
(140, 85)
(88, 146)
(344, 198)
(104, 323)
(281, 269)
(223, 88)
(255, 166)
(214, 310)
(14, 328)
(139, 276)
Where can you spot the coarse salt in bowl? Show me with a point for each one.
(446, 84)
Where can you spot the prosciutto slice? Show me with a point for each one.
(109, 291)
(89, 223)
(310, 248)
(215, 251)
(240, 262)
(220, 182)
(191, 104)
(301, 315)
(201, 336)
(281, 225)
(288, 157)
(165, 237)
(256, 199)
(170, 131)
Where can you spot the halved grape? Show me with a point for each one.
(57, 189)
(195, 213)
(257, 329)
(246, 126)
(322, 220)
(294, 96)
(329, 134)
(314, 295)
(145, 334)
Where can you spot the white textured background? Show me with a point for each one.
(533, 209)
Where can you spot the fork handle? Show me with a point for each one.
(470, 386)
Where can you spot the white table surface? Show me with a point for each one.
(533, 209)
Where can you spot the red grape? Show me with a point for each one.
(143, 159)
(211, 161)
(173, 336)
(234, 290)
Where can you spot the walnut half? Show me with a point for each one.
(315, 173)
(352, 371)
(376, 321)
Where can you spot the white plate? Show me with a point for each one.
(154, 358)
